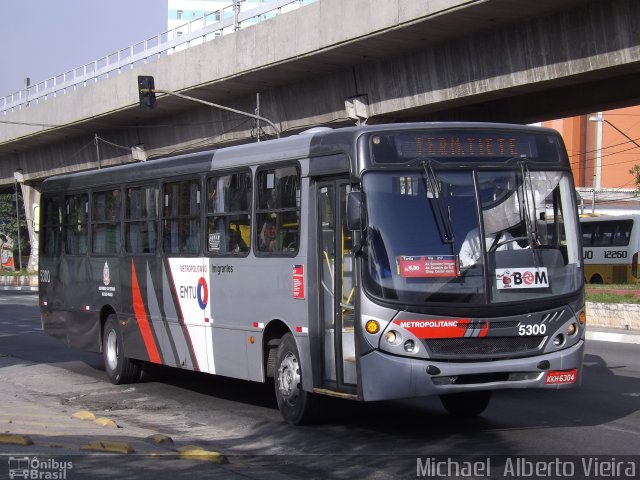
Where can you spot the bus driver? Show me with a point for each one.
(471, 250)
(496, 223)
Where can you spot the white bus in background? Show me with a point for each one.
(610, 248)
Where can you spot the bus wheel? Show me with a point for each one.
(120, 369)
(466, 404)
(296, 405)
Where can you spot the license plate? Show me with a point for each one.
(560, 377)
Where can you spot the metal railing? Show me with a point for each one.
(203, 29)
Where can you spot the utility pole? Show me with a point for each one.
(258, 116)
(97, 139)
(15, 184)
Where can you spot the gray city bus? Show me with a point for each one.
(368, 263)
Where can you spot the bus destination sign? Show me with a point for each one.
(453, 145)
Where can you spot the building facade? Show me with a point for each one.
(181, 12)
(603, 148)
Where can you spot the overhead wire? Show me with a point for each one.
(203, 143)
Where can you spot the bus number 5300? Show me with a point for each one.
(532, 329)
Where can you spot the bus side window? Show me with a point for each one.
(181, 216)
(229, 214)
(587, 232)
(105, 222)
(51, 227)
(278, 211)
(141, 224)
(622, 233)
(603, 235)
(76, 224)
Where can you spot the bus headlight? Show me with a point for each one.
(558, 340)
(392, 337)
(573, 328)
(410, 346)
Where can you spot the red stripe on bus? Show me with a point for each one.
(143, 320)
(485, 329)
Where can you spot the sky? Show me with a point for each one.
(40, 39)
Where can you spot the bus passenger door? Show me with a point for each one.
(337, 287)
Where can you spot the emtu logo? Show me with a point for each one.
(202, 293)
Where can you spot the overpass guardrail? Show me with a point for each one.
(203, 29)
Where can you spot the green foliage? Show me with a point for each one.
(635, 171)
(612, 293)
(8, 222)
(606, 297)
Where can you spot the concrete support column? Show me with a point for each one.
(31, 198)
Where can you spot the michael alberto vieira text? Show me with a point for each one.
(522, 467)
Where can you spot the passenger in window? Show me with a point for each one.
(213, 197)
(192, 244)
(267, 240)
(112, 205)
(236, 243)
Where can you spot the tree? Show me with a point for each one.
(8, 222)
(635, 171)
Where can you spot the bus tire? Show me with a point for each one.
(119, 368)
(466, 404)
(296, 405)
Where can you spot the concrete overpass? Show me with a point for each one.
(505, 60)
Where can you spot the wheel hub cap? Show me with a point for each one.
(289, 378)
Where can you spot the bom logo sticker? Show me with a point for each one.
(514, 278)
(202, 293)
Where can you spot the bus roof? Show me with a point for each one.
(313, 143)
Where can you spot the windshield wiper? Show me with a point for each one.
(529, 201)
(443, 215)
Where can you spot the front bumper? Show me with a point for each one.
(386, 377)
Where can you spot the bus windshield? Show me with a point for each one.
(423, 241)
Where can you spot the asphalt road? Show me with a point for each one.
(377, 440)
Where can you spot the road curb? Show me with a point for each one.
(6, 288)
(617, 337)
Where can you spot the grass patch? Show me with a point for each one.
(605, 297)
(612, 286)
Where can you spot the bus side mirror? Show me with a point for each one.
(354, 211)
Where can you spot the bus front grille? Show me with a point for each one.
(492, 347)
